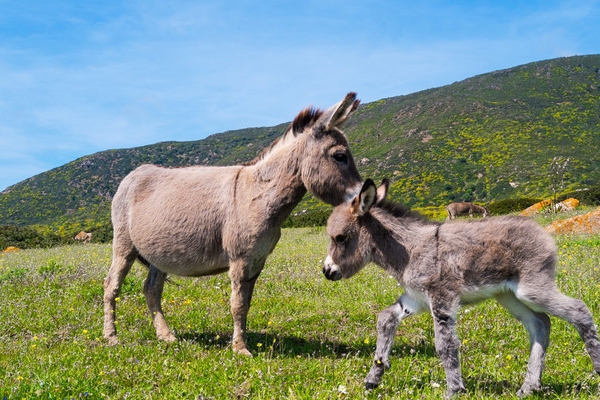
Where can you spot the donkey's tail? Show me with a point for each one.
(147, 264)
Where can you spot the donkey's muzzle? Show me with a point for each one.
(331, 270)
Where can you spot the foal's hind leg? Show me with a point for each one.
(121, 264)
(538, 327)
(574, 311)
(153, 288)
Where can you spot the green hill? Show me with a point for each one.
(487, 138)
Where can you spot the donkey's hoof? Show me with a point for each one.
(168, 338)
(371, 385)
(242, 351)
(112, 340)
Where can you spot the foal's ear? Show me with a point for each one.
(337, 114)
(382, 190)
(366, 199)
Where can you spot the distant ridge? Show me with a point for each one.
(487, 138)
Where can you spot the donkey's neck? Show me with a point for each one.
(277, 185)
(400, 241)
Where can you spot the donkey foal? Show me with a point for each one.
(443, 266)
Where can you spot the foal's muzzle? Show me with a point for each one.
(331, 270)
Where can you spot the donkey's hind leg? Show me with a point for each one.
(574, 311)
(153, 289)
(121, 264)
(538, 327)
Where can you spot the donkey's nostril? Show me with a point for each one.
(332, 275)
(330, 270)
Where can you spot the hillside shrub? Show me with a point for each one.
(508, 206)
(308, 219)
(25, 237)
(589, 197)
(102, 233)
(437, 213)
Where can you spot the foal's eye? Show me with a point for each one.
(340, 157)
(340, 239)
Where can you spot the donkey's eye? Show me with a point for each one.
(340, 157)
(340, 239)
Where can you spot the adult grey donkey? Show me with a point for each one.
(200, 220)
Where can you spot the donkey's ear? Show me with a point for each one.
(366, 199)
(382, 190)
(336, 115)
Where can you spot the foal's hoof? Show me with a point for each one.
(528, 390)
(524, 393)
(453, 394)
(371, 385)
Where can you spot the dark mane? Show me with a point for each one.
(306, 117)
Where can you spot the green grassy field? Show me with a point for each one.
(311, 338)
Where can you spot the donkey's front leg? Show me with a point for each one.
(153, 289)
(241, 296)
(387, 324)
(112, 286)
(447, 343)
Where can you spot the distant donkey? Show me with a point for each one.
(443, 266)
(200, 220)
(465, 207)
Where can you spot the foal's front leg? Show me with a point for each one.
(446, 341)
(387, 324)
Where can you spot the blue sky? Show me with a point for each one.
(78, 77)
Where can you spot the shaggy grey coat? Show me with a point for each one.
(442, 266)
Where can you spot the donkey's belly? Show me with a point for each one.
(184, 253)
(184, 265)
(473, 295)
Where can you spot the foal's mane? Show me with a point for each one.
(306, 117)
(398, 210)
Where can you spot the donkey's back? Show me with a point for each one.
(175, 216)
(496, 249)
